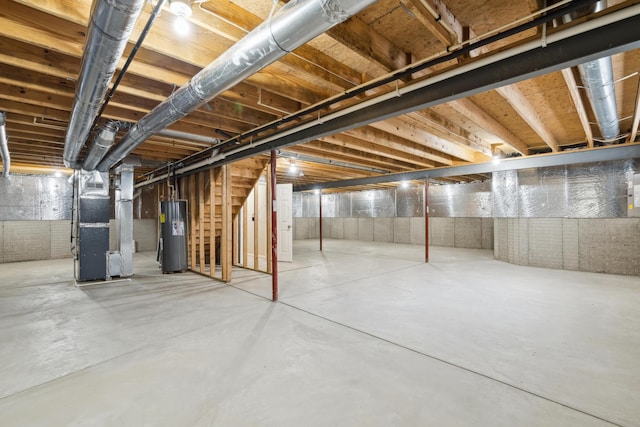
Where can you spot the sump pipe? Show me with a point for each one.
(4, 146)
(295, 24)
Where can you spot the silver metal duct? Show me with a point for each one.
(597, 77)
(101, 144)
(109, 28)
(192, 136)
(4, 147)
(295, 24)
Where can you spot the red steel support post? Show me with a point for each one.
(426, 220)
(274, 230)
(320, 203)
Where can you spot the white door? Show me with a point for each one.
(285, 223)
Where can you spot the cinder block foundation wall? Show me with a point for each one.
(567, 217)
(35, 212)
(599, 245)
(40, 240)
(459, 216)
(471, 233)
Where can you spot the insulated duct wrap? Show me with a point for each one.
(292, 26)
(35, 198)
(4, 145)
(101, 144)
(111, 24)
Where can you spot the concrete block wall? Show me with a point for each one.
(605, 245)
(40, 240)
(145, 233)
(474, 233)
(34, 240)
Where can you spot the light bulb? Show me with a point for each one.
(404, 184)
(181, 25)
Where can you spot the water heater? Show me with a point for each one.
(173, 236)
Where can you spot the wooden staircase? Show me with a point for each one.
(244, 176)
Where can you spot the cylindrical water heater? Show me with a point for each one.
(173, 236)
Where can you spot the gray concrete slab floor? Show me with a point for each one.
(365, 334)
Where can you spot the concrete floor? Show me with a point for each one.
(365, 334)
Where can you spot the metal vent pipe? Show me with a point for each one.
(192, 136)
(597, 77)
(110, 25)
(101, 144)
(295, 24)
(4, 146)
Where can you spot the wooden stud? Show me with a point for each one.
(201, 227)
(256, 227)
(245, 235)
(212, 223)
(192, 225)
(226, 246)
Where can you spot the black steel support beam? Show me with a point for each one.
(618, 152)
(562, 49)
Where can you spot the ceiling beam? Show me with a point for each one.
(379, 137)
(404, 129)
(618, 152)
(364, 40)
(606, 35)
(570, 81)
(636, 117)
(424, 11)
(477, 115)
(515, 98)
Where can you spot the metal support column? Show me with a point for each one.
(274, 230)
(320, 203)
(426, 220)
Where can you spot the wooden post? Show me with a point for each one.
(245, 235)
(236, 240)
(192, 225)
(201, 227)
(274, 230)
(426, 220)
(212, 223)
(256, 227)
(227, 219)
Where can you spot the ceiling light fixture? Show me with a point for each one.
(292, 167)
(182, 10)
(404, 184)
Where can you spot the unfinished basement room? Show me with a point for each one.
(319, 213)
